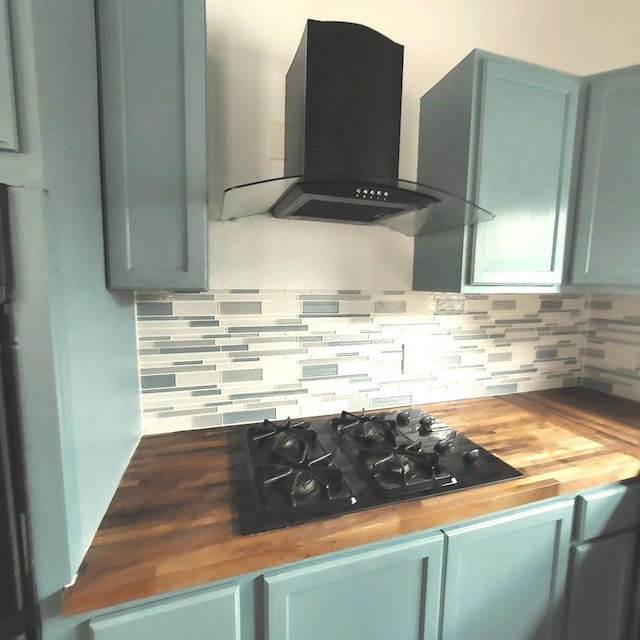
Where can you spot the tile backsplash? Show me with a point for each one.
(234, 356)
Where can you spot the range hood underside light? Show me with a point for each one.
(408, 207)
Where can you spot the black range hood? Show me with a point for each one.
(342, 141)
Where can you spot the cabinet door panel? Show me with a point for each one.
(505, 577)
(202, 616)
(152, 56)
(377, 595)
(600, 588)
(8, 120)
(525, 133)
(608, 224)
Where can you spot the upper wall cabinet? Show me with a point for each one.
(152, 69)
(500, 133)
(8, 118)
(608, 217)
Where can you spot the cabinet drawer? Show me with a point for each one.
(608, 511)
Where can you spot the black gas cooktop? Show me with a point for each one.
(289, 472)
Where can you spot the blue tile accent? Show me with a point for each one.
(320, 307)
(319, 370)
(254, 415)
(390, 306)
(502, 388)
(391, 401)
(241, 307)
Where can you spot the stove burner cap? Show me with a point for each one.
(304, 486)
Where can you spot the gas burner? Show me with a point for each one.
(371, 430)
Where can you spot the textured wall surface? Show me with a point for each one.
(226, 357)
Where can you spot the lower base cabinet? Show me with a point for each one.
(564, 569)
(391, 592)
(505, 576)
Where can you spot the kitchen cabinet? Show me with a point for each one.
(607, 222)
(152, 62)
(501, 133)
(212, 613)
(392, 591)
(505, 576)
(8, 116)
(603, 561)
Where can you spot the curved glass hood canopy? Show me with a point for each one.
(407, 207)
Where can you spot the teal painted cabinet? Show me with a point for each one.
(501, 133)
(391, 592)
(505, 576)
(152, 63)
(8, 116)
(207, 615)
(603, 562)
(608, 220)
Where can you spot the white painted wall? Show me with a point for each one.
(251, 44)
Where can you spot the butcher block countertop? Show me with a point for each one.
(169, 525)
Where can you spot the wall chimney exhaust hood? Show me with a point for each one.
(342, 142)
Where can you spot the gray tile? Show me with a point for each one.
(500, 357)
(204, 323)
(593, 353)
(597, 385)
(158, 381)
(241, 307)
(390, 306)
(211, 420)
(242, 417)
(154, 308)
(241, 375)
(546, 354)
(503, 305)
(206, 392)
(551, 304)
(244, 290)
(600, 305)
(266, 328)
(266, 394)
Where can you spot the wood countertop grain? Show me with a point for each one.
(169, 525)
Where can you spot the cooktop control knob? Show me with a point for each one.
(424, 424)
(472, 456)
(442, 447)
(403, 418)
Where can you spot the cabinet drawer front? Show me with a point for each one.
(393, 592)
(202, 616)
(608, 511)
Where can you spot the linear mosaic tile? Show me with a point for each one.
(299, 353)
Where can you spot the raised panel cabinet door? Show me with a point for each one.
(209, 615)
(393, 592)
(505, 577)
(152, 62)
(525, 125)
(608, 214)
(8, 117)
(600, 588)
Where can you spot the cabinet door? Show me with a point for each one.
(608, 224)
(8, 120)
(505, 577)
(600, 587)
(152, 58)
(525, 131)
(393, 592)
(203, 616)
